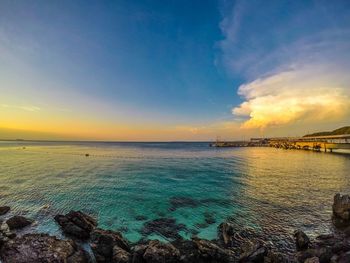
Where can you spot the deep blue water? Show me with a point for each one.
(126, 185)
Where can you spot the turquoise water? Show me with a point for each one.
(126, 185)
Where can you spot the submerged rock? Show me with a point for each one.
(140, 218)
(341, 210)
(244, 246)
(123, 229)
(107, 244)
(41, 248)
(18, 222)
(182, 201)
(209, 218)
(166, 227)
(201, 225)
(4, 210)
(76, 224)
(215, 201)
(302, 241)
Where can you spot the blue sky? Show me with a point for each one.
(187, 69)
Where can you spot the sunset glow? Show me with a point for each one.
(179, 72)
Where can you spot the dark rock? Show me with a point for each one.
(208, 251)
(178, 201)
(166, 227)
(305, 254)
(252, 251)
(323, 254)
(159, 252)
(226, 232)
(202, 251)
(330, 240)
(334, 259)
(230, 238)
(4, 210)
(5, 233)
(105, 245)
(345, 258)
(325, 236)
(312, 260)
(76, 224)
(3, 239)
(155, 252)
(120, 255)
(137, 253)
(188, 251)
(347, 231)
(340, 246)
(17, 222)
(276, 257)
(41, 248)
(341, 210)
(302, 241)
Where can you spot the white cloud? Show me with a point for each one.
(24, 108)
(310, 94)
(296, 72)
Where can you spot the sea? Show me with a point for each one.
(128, 185)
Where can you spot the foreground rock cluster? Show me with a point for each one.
(87, 243)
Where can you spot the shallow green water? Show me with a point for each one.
(273, 190)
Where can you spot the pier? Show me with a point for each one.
(315, 143)
(254, 142)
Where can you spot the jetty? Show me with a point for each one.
(254, 142)
(315, 143)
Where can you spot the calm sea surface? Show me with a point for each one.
(126, 185)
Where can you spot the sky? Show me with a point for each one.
(173, 70)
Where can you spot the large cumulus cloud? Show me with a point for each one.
(308, 94)
(295, 68)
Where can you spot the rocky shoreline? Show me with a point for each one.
(86, 243)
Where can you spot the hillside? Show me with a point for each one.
(340, 131)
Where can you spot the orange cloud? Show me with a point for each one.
(309, 94)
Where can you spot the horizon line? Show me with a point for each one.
(102, 141)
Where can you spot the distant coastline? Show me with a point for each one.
(339, 131)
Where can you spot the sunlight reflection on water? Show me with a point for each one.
(273, 190)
